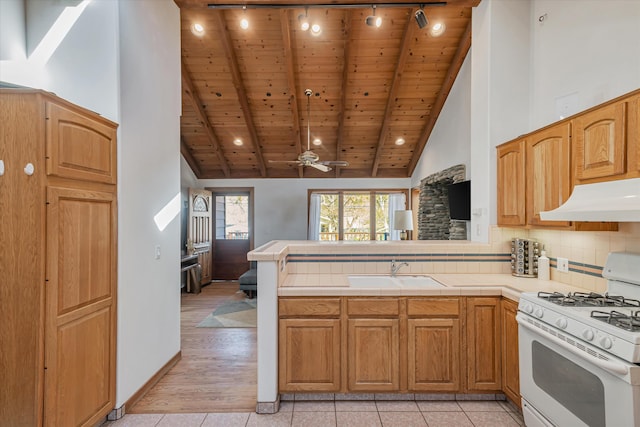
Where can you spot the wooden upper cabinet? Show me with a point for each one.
(599, 143)
(511, 183)
(80, 145)
(633, 136)
(548, 172)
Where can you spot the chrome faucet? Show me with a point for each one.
(395, 267)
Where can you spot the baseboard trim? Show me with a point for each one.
(152, 381)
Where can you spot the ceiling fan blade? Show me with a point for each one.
(285, 161)
(320, 167)
(340, 163)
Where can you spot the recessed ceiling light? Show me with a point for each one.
(437, 29)
(244, 23)
(316, 30)
(197, 29)
(237, 142)
(317, 141)
(400, 141)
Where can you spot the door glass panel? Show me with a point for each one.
(232, 217)
(329, 217)
(575, 388)
(357, 216)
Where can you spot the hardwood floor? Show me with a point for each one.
(218, 369)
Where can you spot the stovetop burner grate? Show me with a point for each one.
(625, 321)
(588, 299)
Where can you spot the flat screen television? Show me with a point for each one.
(460, 200)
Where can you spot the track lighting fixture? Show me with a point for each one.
(316, 30)
(244, 22)
(304, 20)
(421, 19)
(373, 20)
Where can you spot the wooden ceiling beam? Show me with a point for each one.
(188, 89)
(345, 77)
(240, 89)
(447, 84)
(199, 4)
(188, 156)
(409, 29)
(291, 82)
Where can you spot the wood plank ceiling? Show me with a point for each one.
(370, 86)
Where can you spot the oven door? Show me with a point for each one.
(562, 383)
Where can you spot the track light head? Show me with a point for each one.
(373, 20)
(421, 19)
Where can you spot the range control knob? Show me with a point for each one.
(606, 343)
(527, 308)
(588, 335)
(539, 313)
(561, 323)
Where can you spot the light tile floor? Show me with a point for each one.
(347, 414)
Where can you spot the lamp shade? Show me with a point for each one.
(403, 220)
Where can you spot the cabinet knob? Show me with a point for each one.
(29, 169)
(1, 167)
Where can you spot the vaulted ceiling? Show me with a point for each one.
(370, 86)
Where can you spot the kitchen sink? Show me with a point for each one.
(386, 281)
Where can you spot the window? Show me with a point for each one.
(354, 215)
(232, 217)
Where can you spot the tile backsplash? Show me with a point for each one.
(586, 250)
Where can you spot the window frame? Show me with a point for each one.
(372, 206)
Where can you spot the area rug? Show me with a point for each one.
(232, 314)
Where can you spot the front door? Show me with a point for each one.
(233, 234)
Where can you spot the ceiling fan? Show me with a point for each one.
(309, 158)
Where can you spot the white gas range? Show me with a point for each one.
(580, 352)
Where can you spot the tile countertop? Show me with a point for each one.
(454, 284)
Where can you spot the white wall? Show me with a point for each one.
(122, 60)
(449, 142)
(281, 205)
(149, 290)
(589, 49)
(12, 30)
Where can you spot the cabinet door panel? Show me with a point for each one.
(511, 184)
(483, 343)
(309, 354)
(434, 355)
(510, 360)
(633, 136)
(79, 146)
(80, 311)
(599, 142)
(373, 355)
(548, 173)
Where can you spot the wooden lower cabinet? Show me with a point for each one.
(309, 354)
(510, 359)
(484, 371)
(373, 355)
(402, 344)
(433, 355)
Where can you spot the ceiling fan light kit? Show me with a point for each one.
(309, 158)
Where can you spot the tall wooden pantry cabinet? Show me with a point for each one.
(57, 261)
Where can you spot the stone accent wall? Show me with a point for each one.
(434, 222)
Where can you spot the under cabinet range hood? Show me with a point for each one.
(616, 201)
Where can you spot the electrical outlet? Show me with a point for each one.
(563, 265)
(157, 251)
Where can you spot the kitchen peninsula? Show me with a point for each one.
(318, 333)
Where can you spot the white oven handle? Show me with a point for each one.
(612, 367)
